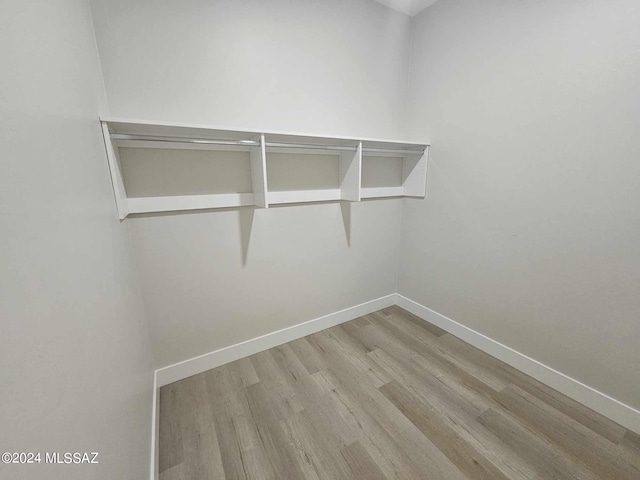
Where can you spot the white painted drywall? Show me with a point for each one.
(531, 229)
(409, 7)
(75, 356)
(326, 67)
(214, 279)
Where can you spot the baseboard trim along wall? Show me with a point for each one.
(617, 411)
(155, 427)
(202, 363)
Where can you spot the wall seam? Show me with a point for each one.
(408, 88)
(95, 44)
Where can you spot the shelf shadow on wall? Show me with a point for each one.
(245, 224)
(345, 208)
(246, 216)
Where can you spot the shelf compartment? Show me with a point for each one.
(134, 147)
(289, 171)
(381, 171)
(344, 182)
(393, 171)
(312, 169)
(153, 172)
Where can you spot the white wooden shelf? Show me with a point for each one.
(189, 202)
(382, 192)
(304, 196)
(259, 149)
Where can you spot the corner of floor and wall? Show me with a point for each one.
(501, 253)
(530, 228)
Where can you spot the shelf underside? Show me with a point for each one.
(300, 169)
(174, 203)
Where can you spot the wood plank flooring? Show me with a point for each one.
(385, 396)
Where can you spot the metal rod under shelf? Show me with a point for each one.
(311, 146)
(252, 143)
(198, 141)
(391, 150)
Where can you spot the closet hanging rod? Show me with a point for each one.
(391, 150)
(310, 146)
(200, 141)
(252, 143)
(207, 141)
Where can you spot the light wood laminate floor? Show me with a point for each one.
(385, 396)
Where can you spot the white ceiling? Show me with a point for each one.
(410, 7)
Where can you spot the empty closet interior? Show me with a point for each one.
(320, 239)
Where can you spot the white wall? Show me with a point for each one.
(318, 66)
(75, 354)
(531, 227)
(299, 266)
(326, 67)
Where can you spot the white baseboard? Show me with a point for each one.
(155, 428)
(202, 363)
(155, 425)
(617, 411)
